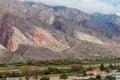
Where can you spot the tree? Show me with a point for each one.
(98, 77)
(45, 78)
(89, 68)
(45, 72)
(102, 68)
(35, 73)
(111, 66)
(107, 69)
(84, 72)
(77, 68)
(54, 70)
(26, 71)
(63, 76)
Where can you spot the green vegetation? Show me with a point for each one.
(58, 63)
(98, 77)
(110, 78)
(102, 67)
(10, 74)
(68, 62)
(62, 67)
(111, 66)
(45, 72)
(2, 78)
(55, 70)
(8, 67)
(63, 76)
(26, 72)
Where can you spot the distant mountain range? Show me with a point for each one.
(32, 30)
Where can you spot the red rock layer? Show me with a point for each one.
(11, 37)
(45, 36)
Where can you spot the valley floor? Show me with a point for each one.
(65, 68)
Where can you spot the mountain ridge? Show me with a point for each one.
(46, 33)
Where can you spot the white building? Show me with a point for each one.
(116, 75)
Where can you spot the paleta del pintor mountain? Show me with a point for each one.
(33, 30)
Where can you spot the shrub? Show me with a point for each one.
(54, 70)
(111, 66)
(63, 76)
(98, 77)
(77, 68)
(45, 72)
(84, 72)
(89, 68)
(26, 70)
(110, 78)
(13, 74)
(107, 69)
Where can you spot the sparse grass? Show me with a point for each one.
(8, 67)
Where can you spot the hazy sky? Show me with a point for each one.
(89, 6)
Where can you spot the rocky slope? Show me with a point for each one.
(30, 30)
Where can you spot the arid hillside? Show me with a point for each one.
(33, 30)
